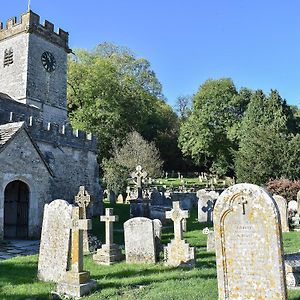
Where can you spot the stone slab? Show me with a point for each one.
(249, 250)
(55, 241)
(139, 241)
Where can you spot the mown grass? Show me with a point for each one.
(18, 278)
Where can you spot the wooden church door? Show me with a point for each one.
(16, 208)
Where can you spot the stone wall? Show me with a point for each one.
(20, 161)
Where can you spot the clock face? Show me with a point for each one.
(48, 61)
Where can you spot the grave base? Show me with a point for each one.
(76, 284)
(108, 255)
(179, 253)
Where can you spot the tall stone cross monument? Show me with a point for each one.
(77, 282)
(139, 174)
(83, 200)
(178, 252)
(110, 252)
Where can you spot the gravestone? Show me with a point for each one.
(109, 252)
(205, 205)
(54, 247)
(120, 199)
(76, 282)
(249, 252)
(157, 226)
(210, 243)
(283, 211)
(298, 202)
(292, 269)
(83, 200)
(178, 252)
(139, 241)
(292, 206)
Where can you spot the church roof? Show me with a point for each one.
(10, 130)
(7, 131)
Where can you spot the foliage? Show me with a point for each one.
(209, 134)
(267, 148)
(134, 151)
(183, 106)
(284, 187)
(111, 93)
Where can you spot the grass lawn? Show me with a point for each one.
(126, 281)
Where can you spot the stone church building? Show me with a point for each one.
(41, 157)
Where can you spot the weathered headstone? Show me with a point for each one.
(249, 250)
(205, 206)
(292, 206)
(178, 252)
(139, 241)
(109, 252)
(283, 211)
(54, 247)
(76, 282)
(120, 199)
(83, 200)
(292, 269)
(210, 243)
(298, 202)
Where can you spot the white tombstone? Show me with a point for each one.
(54, 247)
(139, 240)
(248, 240)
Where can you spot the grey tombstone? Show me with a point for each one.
(139, 240)
(298, 202)
(249, 251)
(282, 206)
(54, 247)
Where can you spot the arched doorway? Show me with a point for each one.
(16, 209)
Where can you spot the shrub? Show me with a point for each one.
(284, 187)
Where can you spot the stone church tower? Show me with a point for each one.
(41, 157)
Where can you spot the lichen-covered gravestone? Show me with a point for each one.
(249, 250)
(283, 211)
(55, 239)
(178, 252)
(139, 240)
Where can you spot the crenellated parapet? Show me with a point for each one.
(30, 22)
(51, 133)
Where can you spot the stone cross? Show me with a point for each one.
(139, 174)
(177, 215)
(109, 219)
(78, 225)
(83, 200)
(296, 220)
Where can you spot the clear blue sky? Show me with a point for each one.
(255, 42)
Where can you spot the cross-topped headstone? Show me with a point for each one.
(78, 225)
(109, 253)
(109, 219)
(83, 200)
(296, 220)
(176, 215)
(77, 282)
(139, 174)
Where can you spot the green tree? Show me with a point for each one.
(210, 133)
(111, 93)
(265, 136)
